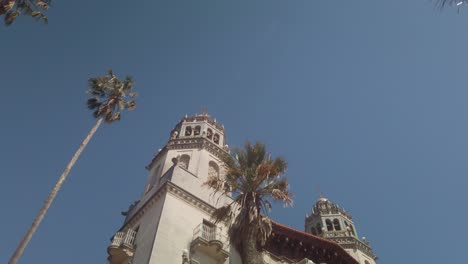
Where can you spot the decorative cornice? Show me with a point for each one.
(136, 216)
(168, 187)
(157, 157)
(197, 142)
(190, 198)
(190, 143)
(354, 243)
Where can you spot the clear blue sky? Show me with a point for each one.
(366, 99)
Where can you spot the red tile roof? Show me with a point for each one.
(296, 245)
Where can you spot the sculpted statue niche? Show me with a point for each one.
(174, 135)
(184, 161)
(213, 169)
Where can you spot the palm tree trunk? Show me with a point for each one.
(250, 253)
(58, 185)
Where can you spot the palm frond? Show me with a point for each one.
(121, 104)
(13, 8)
(93, 103)
(223, 213)
(108, 117)
(130, 105)
(264, 229)
(109, 96)
(252, 178)
(444, 3)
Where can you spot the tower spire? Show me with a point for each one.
(319, 191)
(204, 111)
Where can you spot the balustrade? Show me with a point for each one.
(124, 238)
(209, 238)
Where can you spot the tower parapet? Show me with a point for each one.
(199, 131)
(331, 221)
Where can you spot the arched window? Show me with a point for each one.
(366, 262)
(213, 169)
(319, 228)
(336, 224)
(188, 131)
(216, 138)
(351, 229)
(197, 130)
(209, 133)
(329, 225)
(184, 161)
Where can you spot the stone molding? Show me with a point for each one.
(197, 143)
(169, 187)
(354, 243)
(190, 143)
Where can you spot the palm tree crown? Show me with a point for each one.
(252, 178)
(110, 96)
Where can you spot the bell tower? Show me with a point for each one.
(330, 221)
(171, 222)
(196, 144)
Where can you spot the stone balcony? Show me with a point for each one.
(209, 240)
(347, 241)
(122, 247)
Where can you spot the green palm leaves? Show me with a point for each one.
(253, 179)
(13, 8)
(253, 172)
(110, 96)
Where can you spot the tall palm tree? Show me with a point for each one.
(13, 8)
(253, 179)
(109, 97)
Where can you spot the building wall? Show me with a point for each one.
(360, 256)
(147, 228)
(176, 228)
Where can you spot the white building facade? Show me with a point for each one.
(172, 223)
(332, 222)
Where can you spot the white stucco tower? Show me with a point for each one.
(171, 223)
(332, 222)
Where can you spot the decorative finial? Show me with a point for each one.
(319, 191)
(204, 111)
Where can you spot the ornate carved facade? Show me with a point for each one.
(171, 222)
